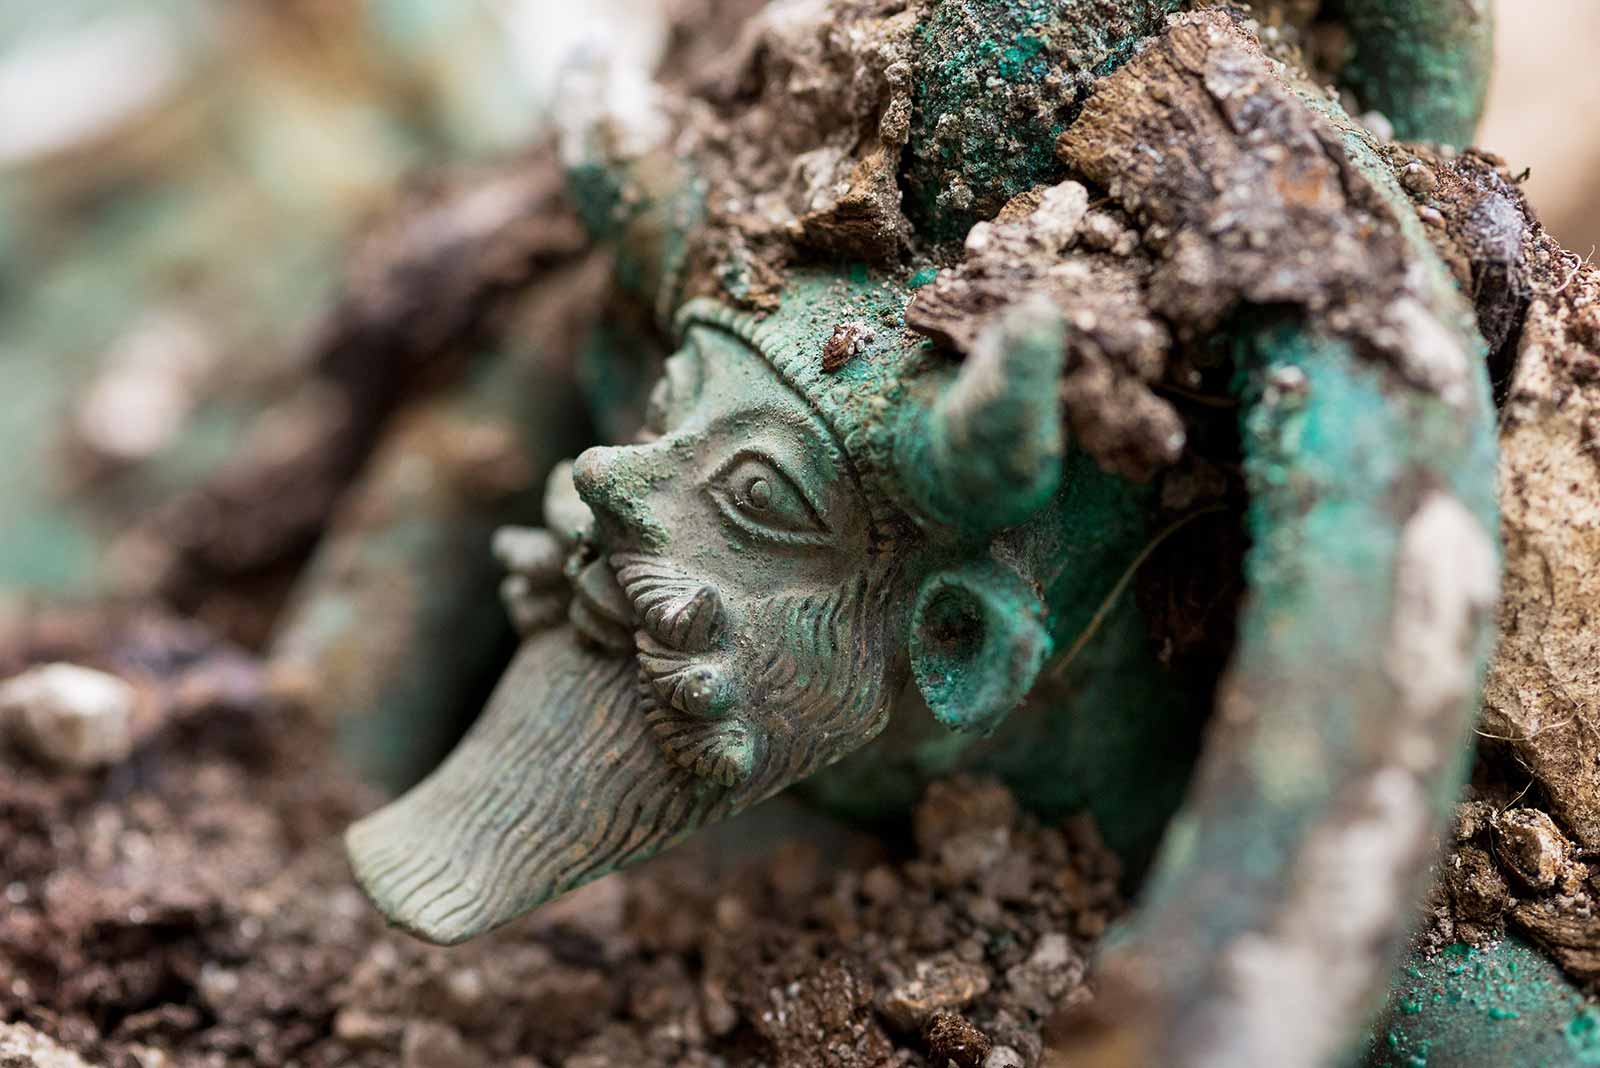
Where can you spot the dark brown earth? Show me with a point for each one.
(191, 907)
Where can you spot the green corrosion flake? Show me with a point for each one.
(994, 83)
(1500, 1006)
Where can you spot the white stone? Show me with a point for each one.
(1003, 1057)
(1059, 214)
(73, 716)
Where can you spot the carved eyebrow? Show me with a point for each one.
(828, 438)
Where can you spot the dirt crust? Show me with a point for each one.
(191, 907)
(1524, 852)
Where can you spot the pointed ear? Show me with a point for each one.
(977, 643)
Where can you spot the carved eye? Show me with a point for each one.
(759, 498)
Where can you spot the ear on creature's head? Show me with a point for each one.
(978, 641)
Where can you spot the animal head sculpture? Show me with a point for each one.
(827, 520)
(805, 523)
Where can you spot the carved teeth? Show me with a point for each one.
(598, 586)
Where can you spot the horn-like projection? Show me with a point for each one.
(560, 781)
(986, 453)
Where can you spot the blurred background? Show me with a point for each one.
(179, 183)
(1544, 110)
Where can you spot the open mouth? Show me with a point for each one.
(600, 611)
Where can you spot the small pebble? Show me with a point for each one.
(846, 342)
(968, 855)
(720, 1015)
(217, 985)
(952, 1038)
(72, 716)
(430, 1044)
(465, 987)
(1418, 178)
(1003, 1057)
(939, 985)
(1378, 124)
(1060, 212)
(881, 886)
(359, 1028)
(1528, 842)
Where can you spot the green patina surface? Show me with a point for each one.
(1503, 1006)
(1114, 707)
(1336, 465)
(596, 192)
(972, 694)
(1003, 481)
(1070, 746)
(995, 82)
(1424, 63)
(646, 213)
(1336, 457)
(1320, 470)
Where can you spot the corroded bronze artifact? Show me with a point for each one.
(753, 585)
(830, 537)
(1071, 392)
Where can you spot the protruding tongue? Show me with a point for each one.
(558, 783)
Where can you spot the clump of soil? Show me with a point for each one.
(1512, 866)
(1526, 844)
(191, 906)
